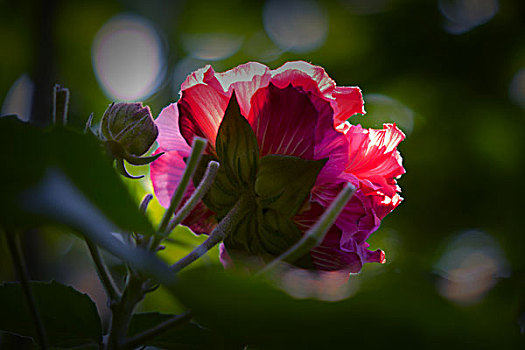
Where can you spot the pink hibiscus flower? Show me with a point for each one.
(296, 110)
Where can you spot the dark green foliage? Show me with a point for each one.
(188, 336)
(28, 152)
(284, 182)
(398, 309)
(237, 147)
(70, 318)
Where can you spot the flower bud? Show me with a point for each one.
(130, 126)
(128, 131)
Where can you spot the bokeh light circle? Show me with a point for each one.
(128, 58)
(471, 265)
(19, 98)
(517, 88)
(212, 46)
(463, 15)
(294, 25)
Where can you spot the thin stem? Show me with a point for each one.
(217, 235)
(60, 104)
(103, 273)
(21, 270)
(162, 327)
(145, 201)
(200, 191)
(141, 240)
(88, 123)
(122, 311)
(315, 235)
(196, 150)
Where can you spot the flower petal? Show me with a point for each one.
(373, 155)
(328, 256)
(284, 122)
(245, 79)
(338, 251)
(205, 95)
(381, 202)
(345, 101)
(166, 173)
(348, 101)
(292, 122)
(361, 249)
(305, 75)
(205, 75)
(358, 219)
(201, 109)
(170, 138)
(201, 220)
(329, 143)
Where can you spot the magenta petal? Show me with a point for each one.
(225, 258)
(205, 95)
(373, 152)
(348, 101)
(170, 138)
(358, 219)
(292, 122)
(165, 174)
(245, 79)
(201, 109)
(361, 249)
(305, 75)
(204, 75)
(381, 202)
(328, 256)
(201, 220)
(284, 122)
(329, 143)
(377, 256)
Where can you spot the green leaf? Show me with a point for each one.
(27, 152)
(58, 199)
(23, 164)
(81, 157)
(265, 233)
(237, 146)
(70, 318)
(284, 182)
(279, 233)
(188, 336)
(223, 194)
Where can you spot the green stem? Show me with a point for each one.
(142, 338)
(198, 146)
(122, 311)
(21, 270)
(104, 275)
(200, 191)
(217, 235)
(315, 235)
(145, 202)
(60, 105)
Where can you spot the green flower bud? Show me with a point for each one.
(128, 131)
(131, 126)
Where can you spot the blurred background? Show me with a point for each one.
(450, 73)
